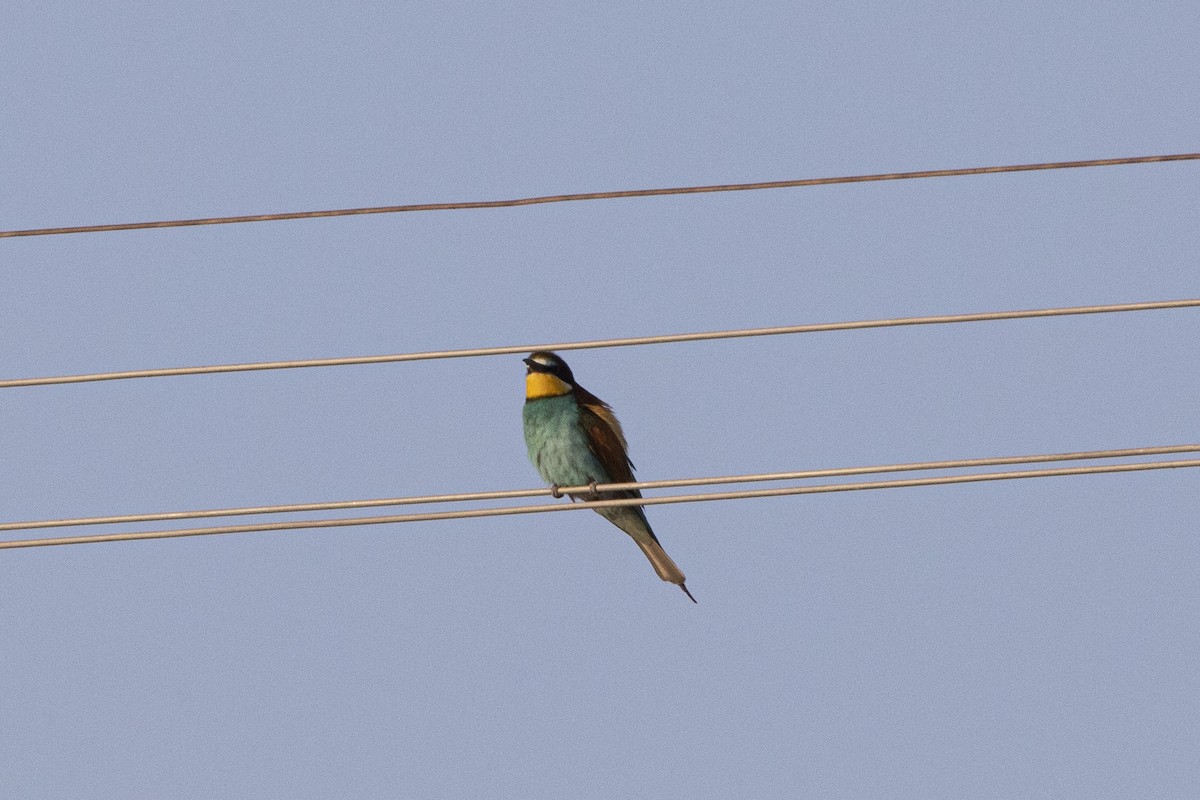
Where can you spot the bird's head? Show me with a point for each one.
(547, 375)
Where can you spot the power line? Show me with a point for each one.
(598, 343)
(663, 484)
(563, 198)
(643, 501)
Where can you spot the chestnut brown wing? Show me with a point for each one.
(605, 438)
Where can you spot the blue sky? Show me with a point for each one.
(1032, 638)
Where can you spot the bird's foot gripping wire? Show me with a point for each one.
(592, 493)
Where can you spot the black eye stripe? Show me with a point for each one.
(550, 364)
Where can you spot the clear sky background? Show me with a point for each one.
(1025, 639)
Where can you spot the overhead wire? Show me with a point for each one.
(839, 472)
(639, 501)
(610, 195)
(629, 341)
(944, 319)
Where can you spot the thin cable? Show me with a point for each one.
(642, 501)
(597, 343)
(563, 198)
(343, 505)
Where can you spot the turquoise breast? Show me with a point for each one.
(557, 445)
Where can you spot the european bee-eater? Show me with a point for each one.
(574, 439)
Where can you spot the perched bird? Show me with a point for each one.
(574, 439)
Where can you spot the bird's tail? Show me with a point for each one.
(662, 563)
(632, 520)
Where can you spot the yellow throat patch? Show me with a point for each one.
(543, 384)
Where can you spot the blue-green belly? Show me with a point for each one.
(559, 449)
(557, 445)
